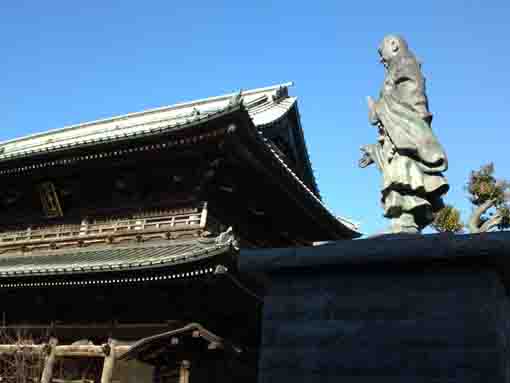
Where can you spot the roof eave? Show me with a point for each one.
(199, 120)
(250, 136)
(146, 112)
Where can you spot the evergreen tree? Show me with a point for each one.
(448, 220)
(490, 198)
(491, 205)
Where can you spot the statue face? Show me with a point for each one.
(389, 48)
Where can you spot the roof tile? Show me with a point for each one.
(111, 258)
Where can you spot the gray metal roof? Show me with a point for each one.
(264, 105)
(112, 258)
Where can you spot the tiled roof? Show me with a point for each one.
(264, 105)
(112, 258)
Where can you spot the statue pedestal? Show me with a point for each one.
(420, 308)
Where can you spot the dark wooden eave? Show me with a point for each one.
(86, 150)
(251, 146)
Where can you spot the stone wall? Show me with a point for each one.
(331, 320)
(387, 327)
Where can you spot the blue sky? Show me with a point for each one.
(67, 62)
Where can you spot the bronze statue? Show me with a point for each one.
(407, 153)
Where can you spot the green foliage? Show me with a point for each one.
(483, 186)
(448, 220)
(492, 196)
(491, 205)
(505, 220)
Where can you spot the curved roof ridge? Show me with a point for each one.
(100, 259)
(122, 117)
(354, 226)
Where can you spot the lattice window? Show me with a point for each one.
(50, 200)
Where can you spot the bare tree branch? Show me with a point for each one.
(474, 222)
(491, 223)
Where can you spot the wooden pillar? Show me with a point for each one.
(184, 371)
(109, 361)
(49, 361)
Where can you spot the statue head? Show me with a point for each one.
(391, 47)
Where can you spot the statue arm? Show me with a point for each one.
(409, 92)
(405, 78)
(372, 114)
(404, 86)
(409, 88)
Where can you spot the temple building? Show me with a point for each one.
(120, 238)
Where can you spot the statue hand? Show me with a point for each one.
(366, 158)
(371, 103)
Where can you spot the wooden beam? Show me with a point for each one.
(9, 349)
(90, 351)
(109, 362)
(49, 361)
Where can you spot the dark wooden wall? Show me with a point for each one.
(130, 312)
(97, 189)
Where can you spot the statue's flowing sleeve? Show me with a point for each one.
(406, 125)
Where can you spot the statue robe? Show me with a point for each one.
(408, 154)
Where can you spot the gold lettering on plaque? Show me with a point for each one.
(50, 201)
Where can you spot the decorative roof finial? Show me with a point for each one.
(236, 99)
(281, 92)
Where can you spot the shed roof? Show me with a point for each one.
(148, 349)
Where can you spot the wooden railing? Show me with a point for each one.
(162, 221)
